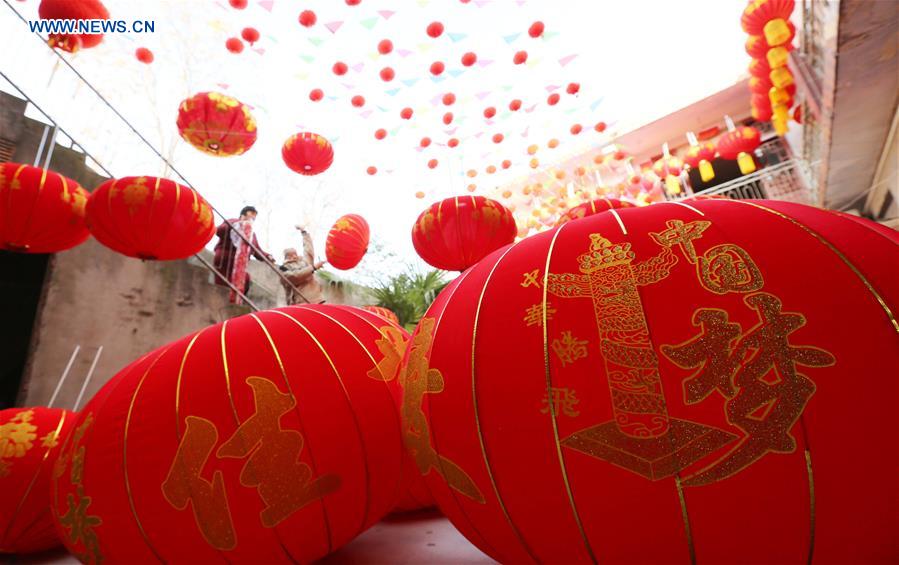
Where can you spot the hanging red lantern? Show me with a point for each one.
(340, 68)
(761, 107)
(307, 153)
(455, 233)
(269, 438)
(520, 57)
(406, 113)
(739, 144)
(759, 85)
(372, 170)
(380, 133)
(769, 18)
(515, 105)
(316, 94)
(665, 166)
(700, 157)
(469, 59)
(40, 211)
(149, 218)
(143, 55)
(453, 142)
(448, 118)
(437, 68)
(576, 129)
(385, 46)
(30, 439)
(592, 207)
(489, 112)
(449, 99)
(536, 29)
(307, 18)
(759, 68)
(71, 10)
(387, 74)
(573, 88)
(434, 29)
(250, 35)
(553, 99)
(678, 374)
(432, 163)
(216, 124)
(347, 242)
(425, 141)
(234, 45)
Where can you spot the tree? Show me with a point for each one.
(410, 294)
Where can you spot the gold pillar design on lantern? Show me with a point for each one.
(641, 438)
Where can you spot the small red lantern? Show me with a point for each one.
(515, 105)
(250, 35)
(489, 112)
(449, 99)
(437, 68)
(425, 141)
(432, 163)
(536, 29)
(307, 153)
(739, 144)
(469, 59)
(435, 29)
(143, 55)
(700, 157)
(455, 233)
(769, 18)
(385, 46)
(372, 170)
(40, 211)
(448, 118)
(269, 438)
(759, 68)
(576, 129)
(340, 68)
(592, 207)
(234, 45)
(679, 376)
(387, 74)
(149, 218)
(553, 99)
(406, 113)
(316, 94)
(307, 18)
(72, 10)
(520, 57)
(216, 124)
(347, 242)
(30, 440)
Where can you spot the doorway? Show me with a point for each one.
(21, 282)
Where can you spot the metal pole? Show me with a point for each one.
(87, 379)
(40, 148)
(65, 374)
(50, 148)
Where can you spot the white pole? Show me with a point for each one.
(87, 379)
(65, 374)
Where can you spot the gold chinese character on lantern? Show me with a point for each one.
(534, 314)
(560, 401)
(569, 349)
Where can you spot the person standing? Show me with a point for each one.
(300, 272)
(232, 252)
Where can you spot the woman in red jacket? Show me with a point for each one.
(230, 249)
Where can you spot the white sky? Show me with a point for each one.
(635, 60)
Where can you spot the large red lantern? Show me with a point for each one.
(700, 157)
(28, 447)
(456, 233)
(73, 10)
(216, 124)
(739, 144)
(40, 211)
(592, 207)
(150, 218)
(307, 153)
(272, 437)
(347, 241)
(707, 382)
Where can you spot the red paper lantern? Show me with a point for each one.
(573, 88)
(371, 170)
(576, 129)
(760, 85)
(515, 105)
(143, 55)
(553, 99)
(667, 166)
(357, 101)
(250, 35)
(347, 242)
(448, 118)
(456, 233)
(40, 211)
(149, 218)
(592, 207)
(234, 45)
(536, 29)
(745, 139)
(449, 99)
(380, 133)
(489, 112)
(469, 59)
(768, 18)
(425, 141)
(520, 57)
(387, 74)
(216, 124)
(506, 164)
(340, 68)
(316, 94)
(385, 46)
(269, 438)
(307, 153)
(498, 138)
(29, 441)
(238, 4)
(697, 153)
(432, 164)
(453, 142)
(599, 127)
(437, 68)
(759, 68)
(72, 10)
(406, 113)
(307, 18)
(679, 376)
(435, 29)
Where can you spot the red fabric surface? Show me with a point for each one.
(30, 440)
(593, 207)
(287, 433)
(604, 430)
